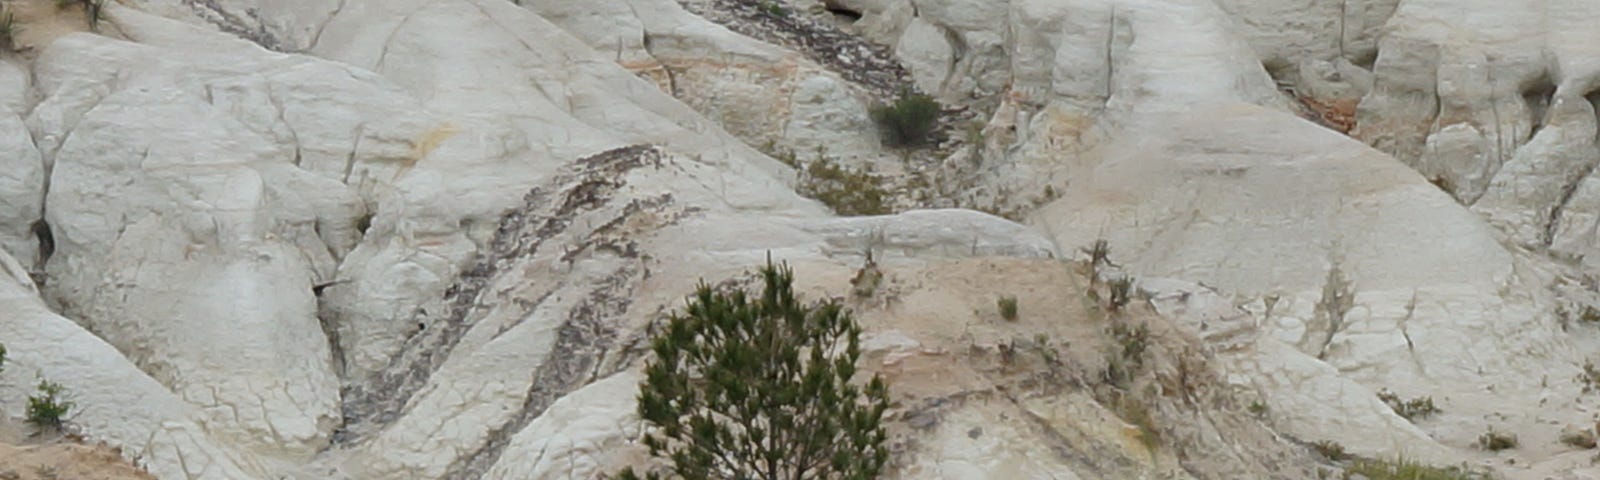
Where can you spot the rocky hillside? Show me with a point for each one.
(413, 239)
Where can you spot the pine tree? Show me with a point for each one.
(759, 389)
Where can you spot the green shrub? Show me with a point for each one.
(847, 191)
(1123, 363)
(1257, 408)
(760, 387)
(2, 357)
(8, 28)
(773, 8)
(1121, 293)
(907, 122)
(47, 409)
(1403, 469)
(1008, 307)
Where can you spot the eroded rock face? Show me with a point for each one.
(171, 224)
(22, 172)
(429, 244)
(114, 401)
(1358, 264)
(1463, 87)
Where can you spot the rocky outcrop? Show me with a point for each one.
(1356, 262)
(170, 219)
(1462, 88)
(114, 401)
(22, 172)
(425, 239)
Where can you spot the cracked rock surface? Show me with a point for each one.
(426, 239)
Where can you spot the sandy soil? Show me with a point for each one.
(23, 458)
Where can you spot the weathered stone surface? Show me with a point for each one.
(429, 245)
(113, 400)
(1462, 86)
(1288, 33)
(1361, 263)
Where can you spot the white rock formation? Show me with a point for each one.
(176, 241)
(422, 239)
(1365, 265)
(113, 401)
(22, 171)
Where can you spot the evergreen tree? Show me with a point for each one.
(759, 389)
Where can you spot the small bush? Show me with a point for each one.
(1402, 469)
(8, 28)
(773, 8)
(2, 357)
(1330, 450)
(1413, 409)
(1046, 351)
(1099, 254)
(1008, 307)
(1257, 408)
(1496, 441)
(1121, 293)
(47, 409)
(849, 192)
(908, 122)
(759, 385)
(1123, 364)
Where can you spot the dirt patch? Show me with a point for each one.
(65, 461)
(37, 23)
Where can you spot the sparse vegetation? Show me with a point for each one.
(1046, 351)
(1330, 450)
(1413, 409)
(1099, 257)
(1588, 314)
(1496, 441)
(773, 8)
(848, 191)
(975, 135)
(867, 279)
(907, 122)
(48, 408)
(1403, 469)
(1257, 408)
(1129, 358)
(1008, 307)
(8, 28)
(1136, 413)
(1590, 377)
(760, 387)
(1121, 293)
